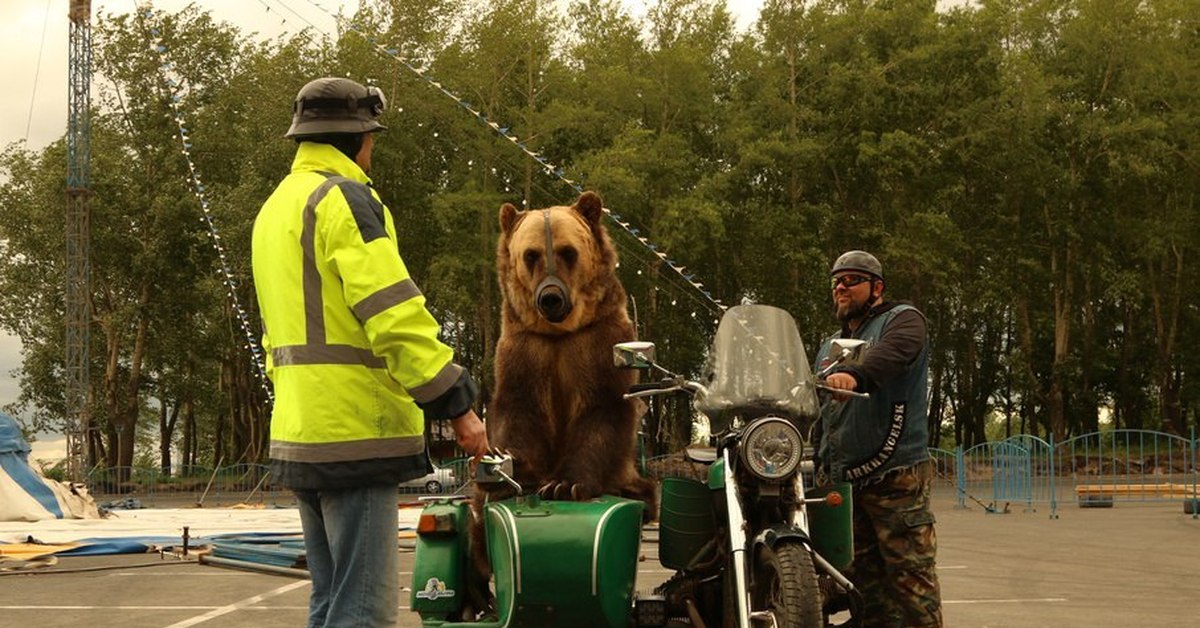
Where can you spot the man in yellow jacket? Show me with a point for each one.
(353, 353)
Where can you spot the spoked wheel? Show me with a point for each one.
(786, 584)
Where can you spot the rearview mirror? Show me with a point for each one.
(848, 351)
(633, 355)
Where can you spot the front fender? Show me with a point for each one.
(772, 536)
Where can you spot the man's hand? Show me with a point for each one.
(841, 381)
(471, 433)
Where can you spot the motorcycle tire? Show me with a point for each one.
(785, 583)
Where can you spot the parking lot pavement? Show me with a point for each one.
(1131, 565)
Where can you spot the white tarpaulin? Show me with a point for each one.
(27, 496)
(169, 522)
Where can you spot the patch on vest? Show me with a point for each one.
(886, 449)
(367, 212)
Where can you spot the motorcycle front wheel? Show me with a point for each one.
(785, 583)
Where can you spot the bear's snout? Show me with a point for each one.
(553, 299)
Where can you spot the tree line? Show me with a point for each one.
(1027, 170)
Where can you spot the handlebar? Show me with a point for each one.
(645, 386)
(647, 389)
(851, 393)
(671, 384)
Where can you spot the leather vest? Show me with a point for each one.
(865, 438)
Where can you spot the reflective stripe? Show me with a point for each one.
(435, 387)
(385, 298)
(349, 450)
(315, 350)
(314, 314)
(294, 355)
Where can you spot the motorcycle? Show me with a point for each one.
(745, 547)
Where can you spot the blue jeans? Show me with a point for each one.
(350, 538)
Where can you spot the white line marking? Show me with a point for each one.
(250, 601)
(1010, 601)
(226, 574)
(60, 607)
(107, 608)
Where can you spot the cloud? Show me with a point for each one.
(48, 450)
(10, 360)
(36, 33)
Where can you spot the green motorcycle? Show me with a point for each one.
(745, 546)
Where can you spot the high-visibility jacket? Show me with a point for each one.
(351, 349)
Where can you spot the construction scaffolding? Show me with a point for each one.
(78, 234)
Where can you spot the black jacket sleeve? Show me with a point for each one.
(900, 344)
(454, 402)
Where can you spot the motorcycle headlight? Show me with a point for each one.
(772, 448)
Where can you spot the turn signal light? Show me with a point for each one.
(436, 524)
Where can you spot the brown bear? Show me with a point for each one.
(558, 405)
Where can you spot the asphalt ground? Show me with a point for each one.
(1130, 565)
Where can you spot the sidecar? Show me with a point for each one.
(555, 563)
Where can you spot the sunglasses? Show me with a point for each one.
(847, 281)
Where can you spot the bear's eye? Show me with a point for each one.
(531, 259)
(569, 256)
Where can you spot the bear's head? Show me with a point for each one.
(557, 267)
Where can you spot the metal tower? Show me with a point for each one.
(78, 232)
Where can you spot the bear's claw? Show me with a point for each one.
(571, 491)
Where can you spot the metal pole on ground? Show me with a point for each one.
(210, 481)
(246, 564)
(960, 477)
(1195, 477)
(1053, 481)
(260, 483)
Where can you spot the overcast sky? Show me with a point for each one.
(33, 41)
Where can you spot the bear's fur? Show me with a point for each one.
(558, 405)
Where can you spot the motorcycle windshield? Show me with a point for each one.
(756, 367)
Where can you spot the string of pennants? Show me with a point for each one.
(546, 166)
(173, 88)
(199, 191)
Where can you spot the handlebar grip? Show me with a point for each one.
(643, 387)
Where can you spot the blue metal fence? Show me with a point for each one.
(248, 484)
(1027, 472)
(240, 484)
(1099, 468)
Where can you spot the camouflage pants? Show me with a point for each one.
(894, 550)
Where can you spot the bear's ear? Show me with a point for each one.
(590, 206)
(508, 217)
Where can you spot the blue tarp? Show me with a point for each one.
(24, 494)
(269, 543)
(102, 547)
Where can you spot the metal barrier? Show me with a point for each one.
(248, 484)
(1096, 469)
(1129, 465)
(449, 477)
(1015, 470)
